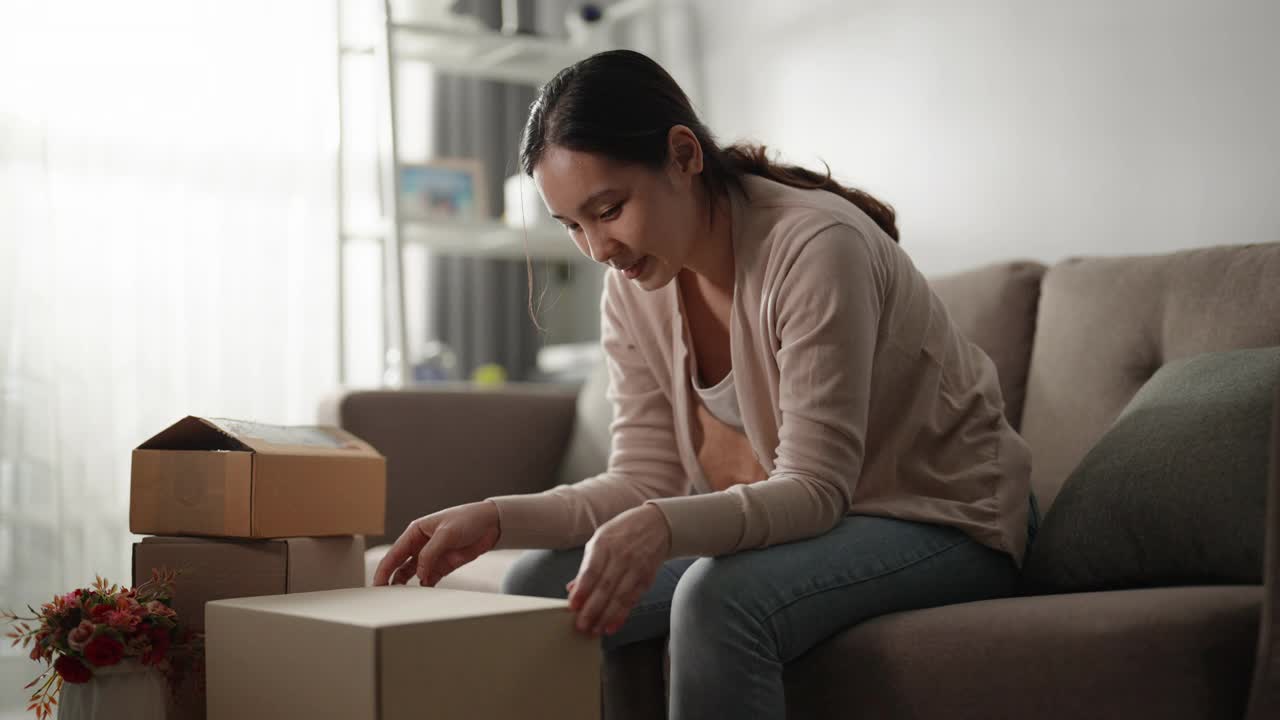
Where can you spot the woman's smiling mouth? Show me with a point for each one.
(632, 271)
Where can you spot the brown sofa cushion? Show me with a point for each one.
(1168, 653)
(1175, 492)
(995, 308)
(1106, 325)
(587, 454)
(452, 444)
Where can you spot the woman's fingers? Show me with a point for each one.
(595, 605)
(405, 571)
(609, 605)
(603, 604)
(582, 586)
(390, 564)
(405, 547)
(435, 545)
(428, 557)
(615, 615)
(624, 599)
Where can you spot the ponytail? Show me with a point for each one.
(746, 159)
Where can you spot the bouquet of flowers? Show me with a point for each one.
(101, 626)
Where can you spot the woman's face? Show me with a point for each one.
(640, 221)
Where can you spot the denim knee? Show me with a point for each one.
(705, 599)
(542, 573)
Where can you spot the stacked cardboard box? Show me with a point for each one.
(244, 510)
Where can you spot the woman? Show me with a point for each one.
(802, 441)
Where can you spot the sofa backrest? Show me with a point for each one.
(995, 308)
(1105, 325)
(449, 444)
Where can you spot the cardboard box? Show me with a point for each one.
(386, 653)
(228, 478)
(220, 569)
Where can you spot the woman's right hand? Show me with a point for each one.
(437, 544)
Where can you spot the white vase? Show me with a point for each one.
(126, 690)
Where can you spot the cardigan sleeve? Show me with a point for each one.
(644, 461)
(829, 300)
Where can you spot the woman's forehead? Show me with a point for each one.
(559, 163)
(568, 178)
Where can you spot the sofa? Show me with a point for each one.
(1072, 342)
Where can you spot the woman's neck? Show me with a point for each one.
(711, 259)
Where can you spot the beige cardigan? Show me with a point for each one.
(858, 396)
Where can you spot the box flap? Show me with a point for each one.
(193, 433)
(294, 440)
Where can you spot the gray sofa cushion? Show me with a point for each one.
(1168, 653)
(1175, 491)
(1105, 325)
(995, 308)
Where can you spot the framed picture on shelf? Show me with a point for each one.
(449, 189)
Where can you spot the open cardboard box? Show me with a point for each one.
(229, 478)
(385, 653)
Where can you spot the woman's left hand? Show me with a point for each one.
(619, 564)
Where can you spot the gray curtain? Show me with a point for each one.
(479, 307)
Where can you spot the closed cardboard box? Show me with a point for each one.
(229, 478)
(220, 569)
(387, 653)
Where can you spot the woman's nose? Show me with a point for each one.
(597, 247)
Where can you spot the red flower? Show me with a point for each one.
(72, 670)
(104, 650)
(99, 613)
(122, 620)
(159, 646)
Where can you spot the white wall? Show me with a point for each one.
(1006, 128)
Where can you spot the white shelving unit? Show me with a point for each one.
(453, 46)
(480, 239)
(485, 54)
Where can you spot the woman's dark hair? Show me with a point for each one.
(622, 105)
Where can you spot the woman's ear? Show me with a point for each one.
(684, 150)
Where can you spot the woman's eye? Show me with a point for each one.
(611, 213)
(571, 227)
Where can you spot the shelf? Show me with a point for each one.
(428, 31)
(478, 52)
(462, 45)
(494, 239)
(484, 239)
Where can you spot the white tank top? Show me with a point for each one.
(721, 400)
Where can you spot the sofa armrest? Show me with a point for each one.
(454, 444)
(1264, 696)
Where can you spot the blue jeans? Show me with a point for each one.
(735, 620)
